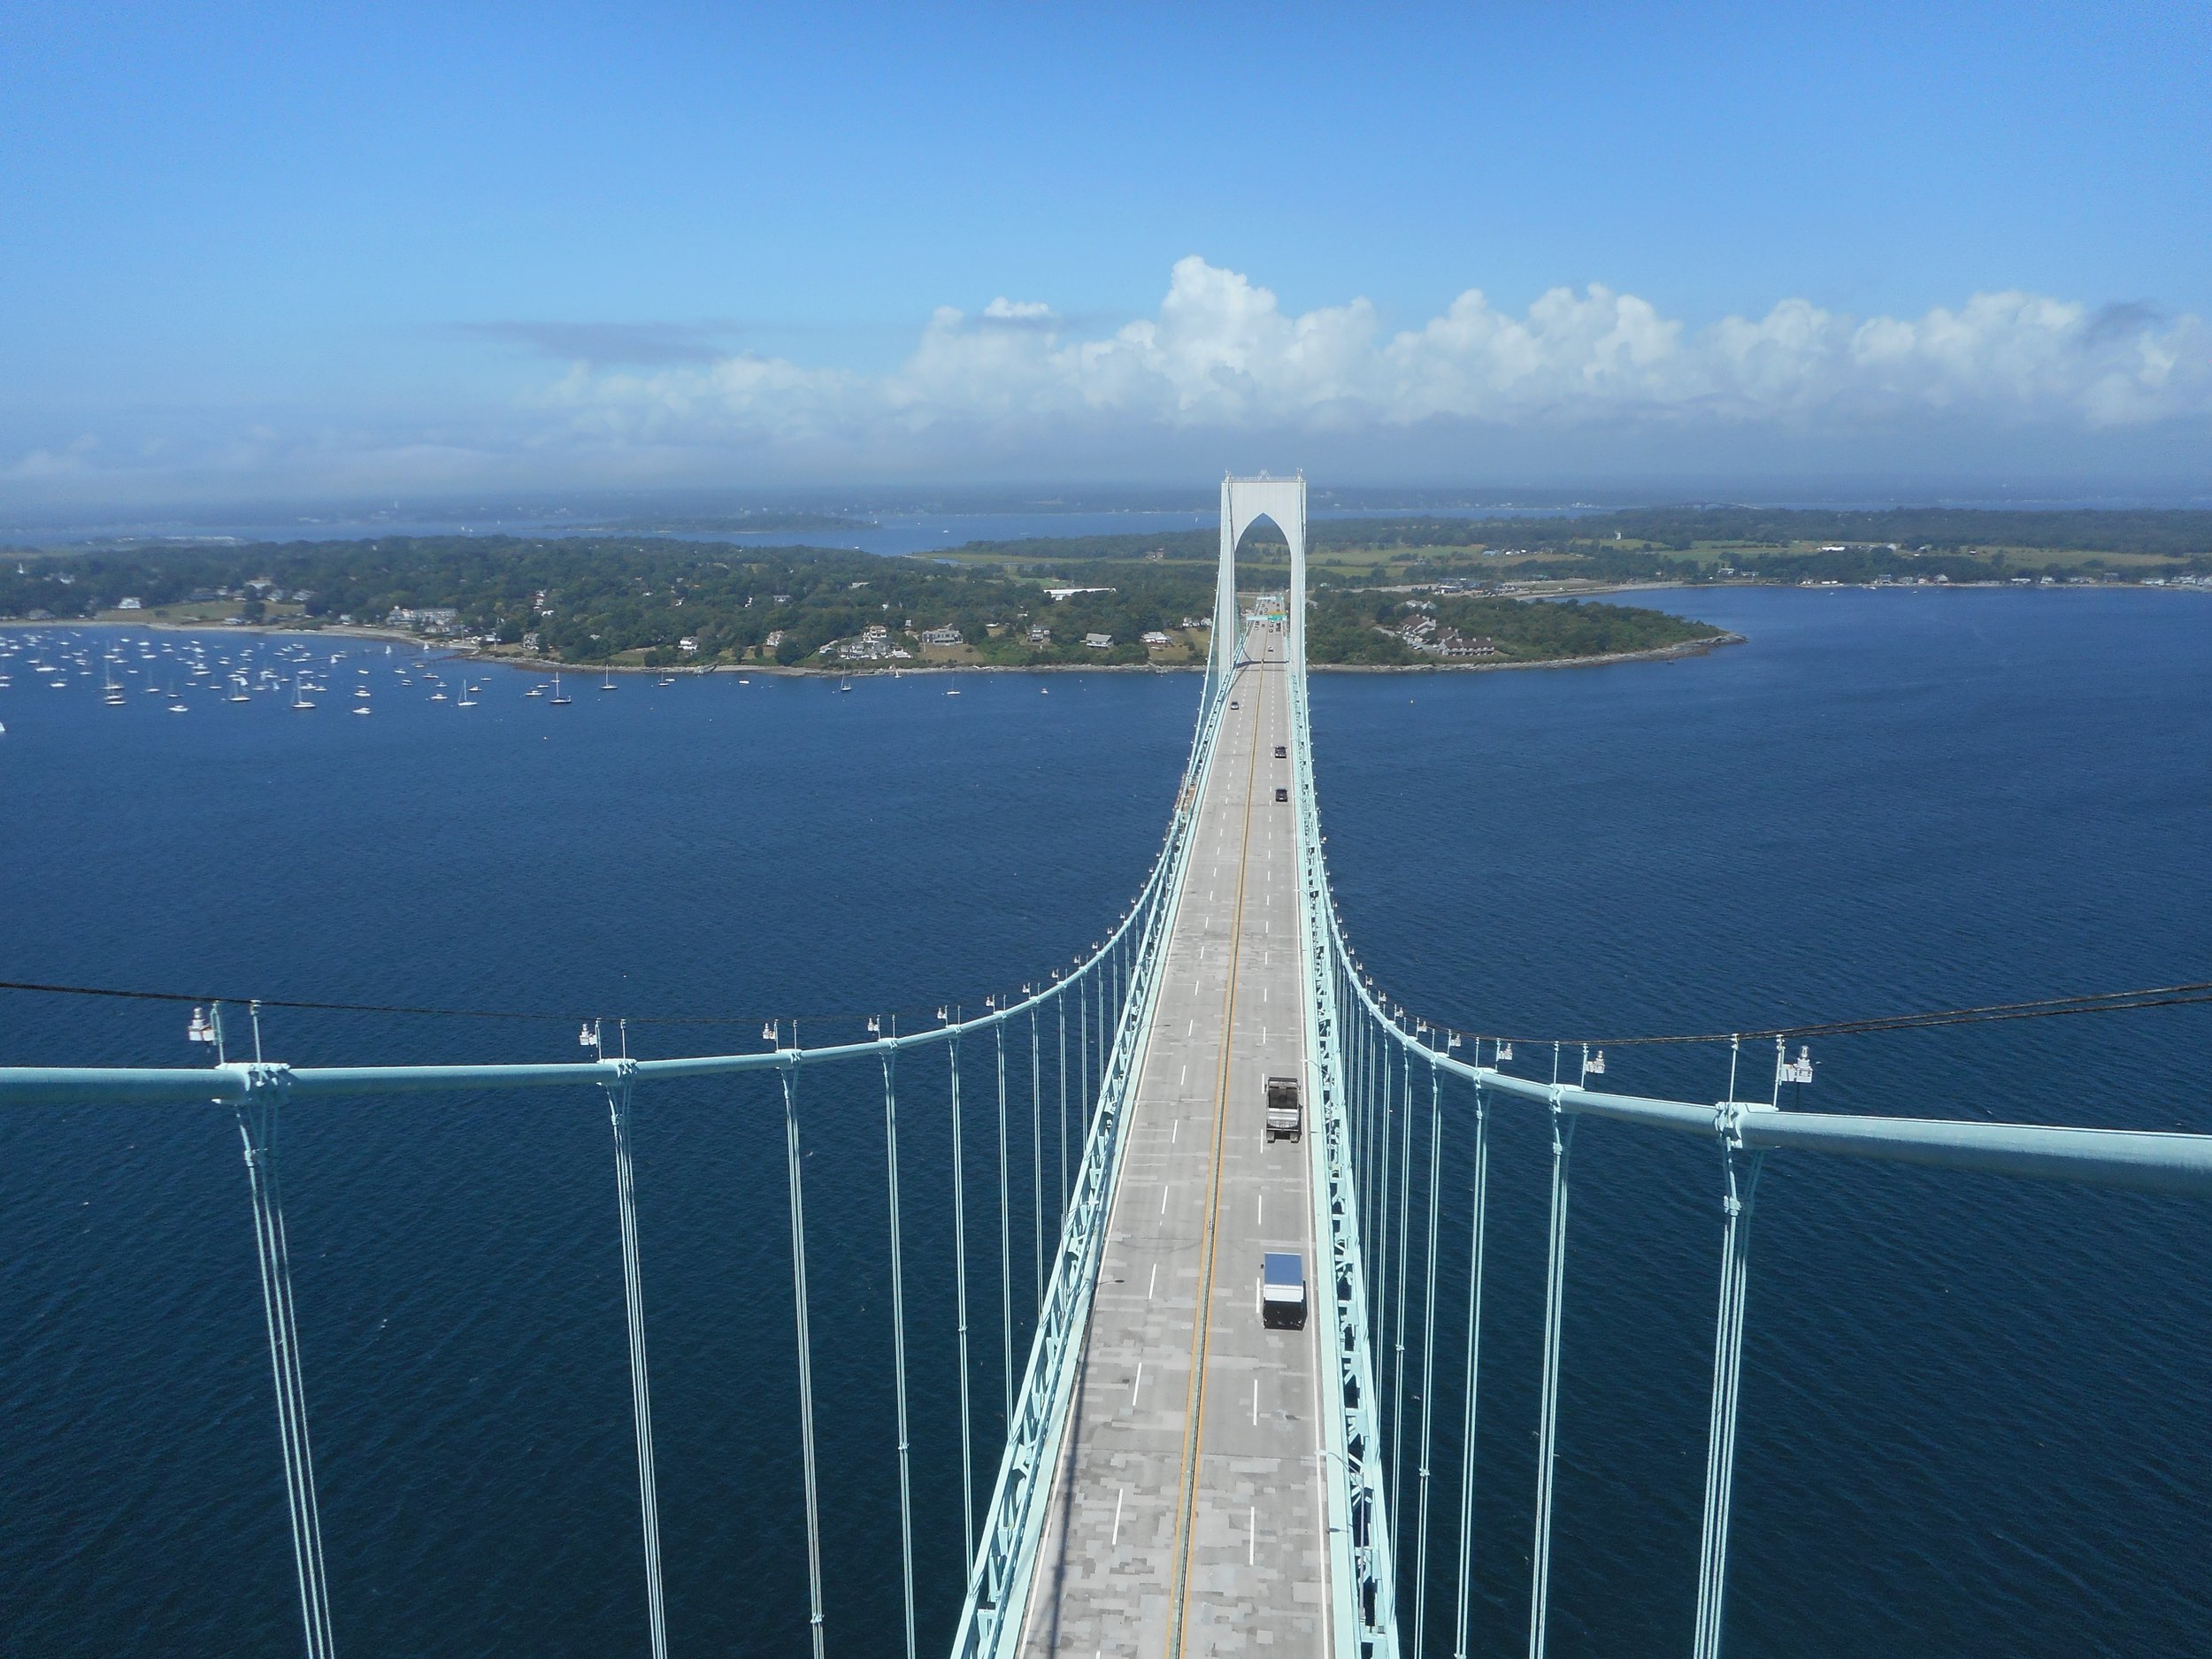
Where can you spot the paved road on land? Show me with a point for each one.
(1186, 1515)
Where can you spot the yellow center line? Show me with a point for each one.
(1194, 1408)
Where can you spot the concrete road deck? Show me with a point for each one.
(1187, 1514)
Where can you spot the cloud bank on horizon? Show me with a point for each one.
(1016, 388)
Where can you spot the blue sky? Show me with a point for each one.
(253, 252)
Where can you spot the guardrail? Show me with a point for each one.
(1346, 1009)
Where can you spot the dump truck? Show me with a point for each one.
(1285, 1119)
(1283, 1290)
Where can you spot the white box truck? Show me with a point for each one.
(1283, 1290)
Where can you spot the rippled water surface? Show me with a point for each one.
(1976, 1416)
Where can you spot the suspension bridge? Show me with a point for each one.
(1180, 1473)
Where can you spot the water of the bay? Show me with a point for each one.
(1975, 1415)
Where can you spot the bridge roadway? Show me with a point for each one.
(1186, 1515)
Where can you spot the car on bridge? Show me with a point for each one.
(1283, 1290)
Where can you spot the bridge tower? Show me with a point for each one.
(1245, 501)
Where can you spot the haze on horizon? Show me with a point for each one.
(257, 254)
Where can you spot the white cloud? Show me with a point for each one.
(1579, 379)
(1221, 352)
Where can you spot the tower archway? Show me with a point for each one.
(1244, 501)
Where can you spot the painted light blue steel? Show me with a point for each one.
(1363, 1575)
(1350, 1035)
(1013, 1530)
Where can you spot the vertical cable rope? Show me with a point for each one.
(1720, 1460)
(1362, 1036)
(1474, 1370)
(641, 1391)
(1562, 1134)
(960, 1295)
(898, 1335)
(256, 1128)
(1036, 1150)
(1060, 1003)
(1398, 1368)
(1428, 1362)
(1380, 1321)
(1005, 1237)
(806, 1355)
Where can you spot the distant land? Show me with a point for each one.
(752, 521)
(1389, 592)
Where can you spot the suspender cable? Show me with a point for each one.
(1742, 1178)
(960, 1297)
(1563, 1136)
(898, 1334)
(1363, 1050)
(1005, 1236)
(1380, 1335)
(806, 1356)
(1083, 1059)
(1060, 1003)
(256, 1128)
(1428, 1363)
(1037, 1149)
(1398, 1363)
(640, 1393)
(1105, 1037)
(1474, 1370)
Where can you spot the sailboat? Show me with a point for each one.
(177, 705)
(606, 679)
(113, 696)
(468, 699)
(299, 694)
(844, 684)
(559, 697)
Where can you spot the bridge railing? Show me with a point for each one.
(1366, 1051)
(1107, 995)
(1014, 1520)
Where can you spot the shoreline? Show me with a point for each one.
(1652, 654)
(537, 665)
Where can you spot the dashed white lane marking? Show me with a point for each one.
(1252, 1535)
(1139, 1389)
(1164, 1201)
(1153, 1283)
(1255, 1402)
(1118, 1496)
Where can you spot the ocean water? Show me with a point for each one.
(1975, 1413)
